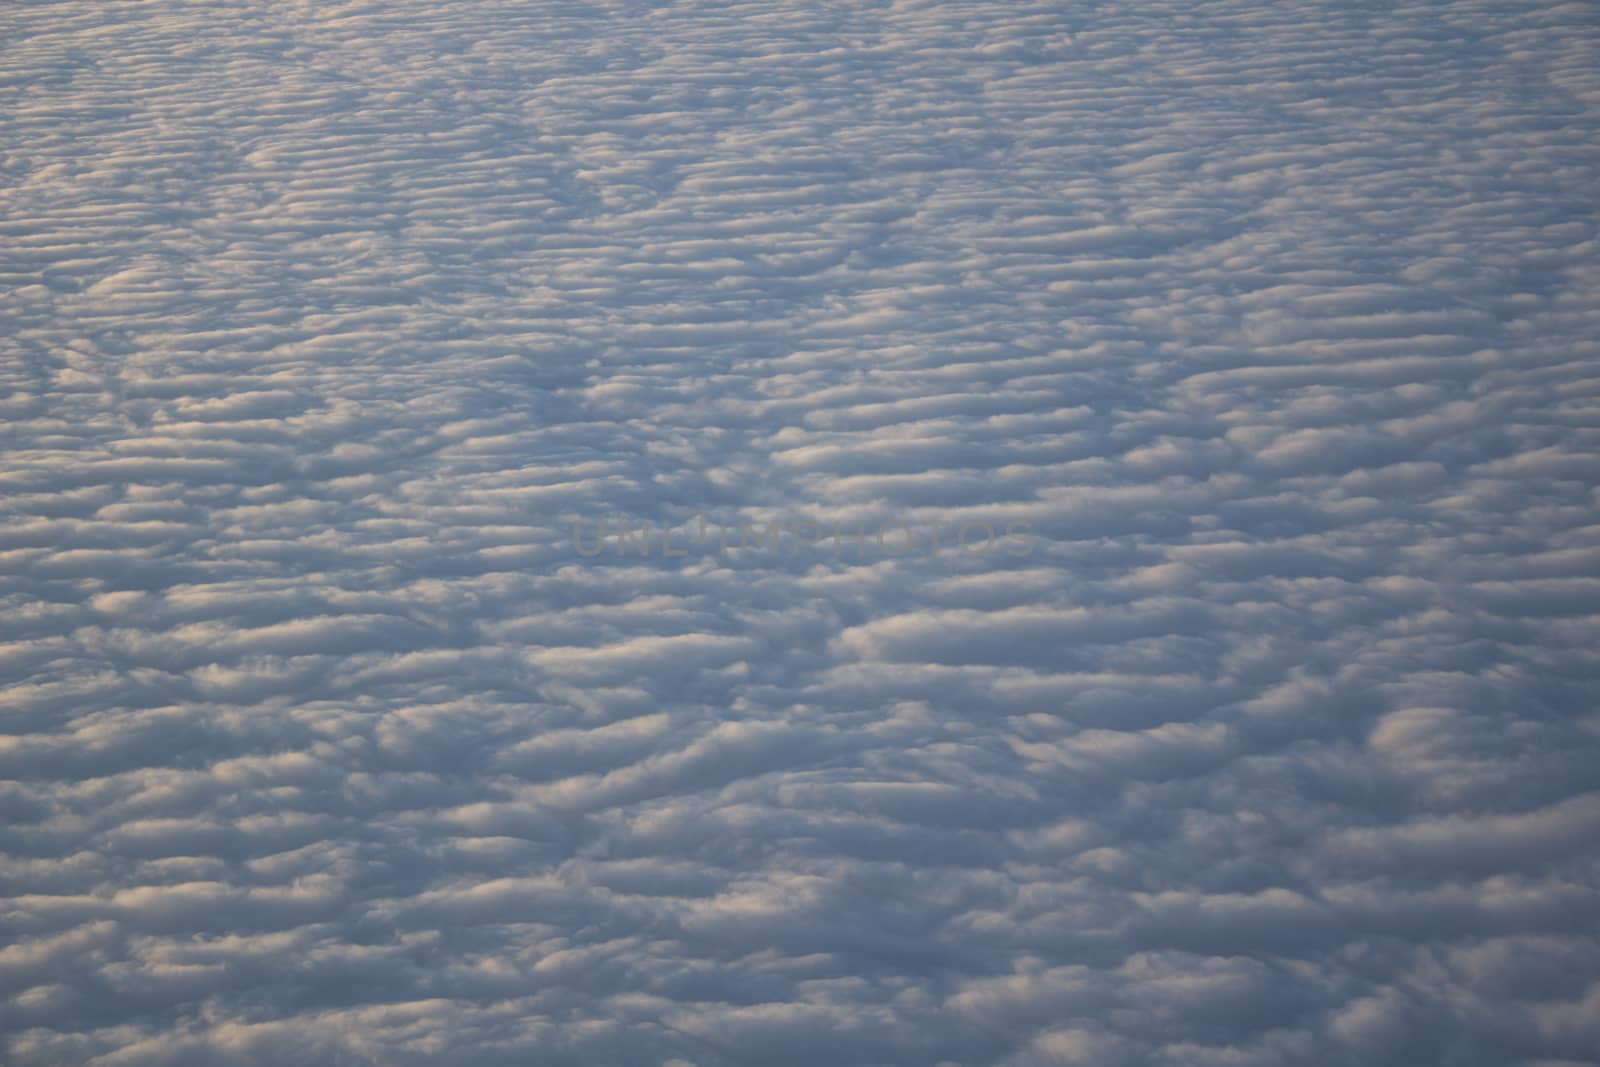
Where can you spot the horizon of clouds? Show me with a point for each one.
(323, 327)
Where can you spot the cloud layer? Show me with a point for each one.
(1275, 326)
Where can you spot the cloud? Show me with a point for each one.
(326, 326)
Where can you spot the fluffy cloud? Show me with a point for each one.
(333, 331)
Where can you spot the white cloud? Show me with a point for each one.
(325, 323)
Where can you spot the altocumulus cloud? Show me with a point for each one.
(1274, 325)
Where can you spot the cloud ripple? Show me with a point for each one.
(1273, 325)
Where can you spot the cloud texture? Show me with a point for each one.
(1275, 325)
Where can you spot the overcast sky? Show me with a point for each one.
(1116, 562)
